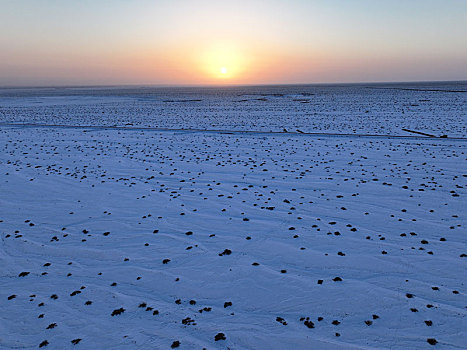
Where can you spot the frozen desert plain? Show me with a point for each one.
(120, 232)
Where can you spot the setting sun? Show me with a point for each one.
(229, 62)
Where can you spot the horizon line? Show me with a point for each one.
(72, 86)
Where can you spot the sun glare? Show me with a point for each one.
(222, 62)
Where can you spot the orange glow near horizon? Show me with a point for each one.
(212, 64)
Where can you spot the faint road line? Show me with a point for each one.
(221, 131)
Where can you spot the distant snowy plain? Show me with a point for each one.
(137, 238)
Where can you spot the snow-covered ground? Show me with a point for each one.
(440, 108)
(124, 239)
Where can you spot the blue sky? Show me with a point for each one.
(56, 42)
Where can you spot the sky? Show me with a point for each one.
(196, 42)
